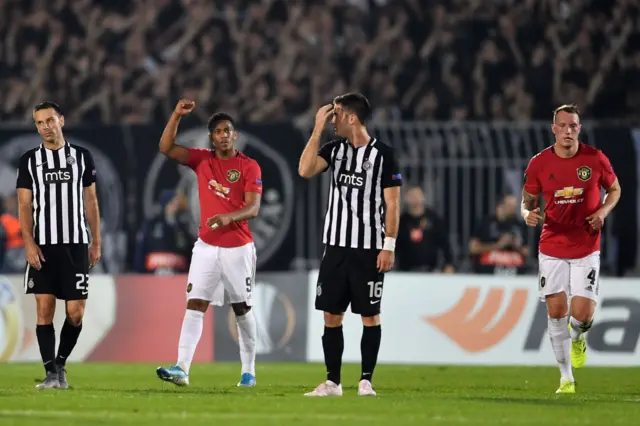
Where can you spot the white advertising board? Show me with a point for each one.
(18, 319)
(482, 320)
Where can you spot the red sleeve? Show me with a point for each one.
(607, 175)
(196, 156)
(532, 177)
(253, 179)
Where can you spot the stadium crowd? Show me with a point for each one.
(117, 61)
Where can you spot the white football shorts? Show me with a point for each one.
(574, 277)
(216, 271)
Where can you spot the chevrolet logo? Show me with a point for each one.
(568, 192)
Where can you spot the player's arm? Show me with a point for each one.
(168, 145)
(391, 183)
(25, 215)
(91, 208)
(93, 213)
(530, 206)
(312, 162)
(250, 209)
(25, 210)
(609, 181)
(392, 215)
(611, 198)
(386, 258)
(530, 209)
(248, 212)
(24, 184)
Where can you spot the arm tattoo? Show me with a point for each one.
(529, 202)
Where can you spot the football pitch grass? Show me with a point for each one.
(130, 394)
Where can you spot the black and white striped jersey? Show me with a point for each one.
(356, 210)
(57, 180)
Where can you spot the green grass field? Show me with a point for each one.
(130, 394)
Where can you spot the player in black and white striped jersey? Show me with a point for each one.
(57, 197)
(361, 225)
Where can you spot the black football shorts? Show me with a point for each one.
(349, 276)
(64, 273)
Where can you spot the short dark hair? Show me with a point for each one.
(48, 105)
(569, 108)
(356, 103)
(218, 117)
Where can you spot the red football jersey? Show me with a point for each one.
(221, 188)
(571, 188)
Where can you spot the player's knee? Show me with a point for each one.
(75, 318)
(45, 309)
(75, 313)
(240, 309)
(557, 305)
(45, 316)
(197, 305)
(582, 309)
(333, 320)
(371, 321)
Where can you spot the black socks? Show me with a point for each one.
(333, 345)
(47, 342)
(369, 347)
(68, 339)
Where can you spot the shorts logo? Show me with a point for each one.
(319, 290)
(189, 287)
(476, 329)
(584, 173)
(233, 175)
(542, 282)
(30, 283)
(71, 161)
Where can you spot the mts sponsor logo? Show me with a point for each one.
(352, 179)
(57, 175)
(477, 324)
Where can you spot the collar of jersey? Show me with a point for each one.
(371, 142)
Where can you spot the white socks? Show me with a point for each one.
(189, 337)
(561, 344)
(578, 328)
(247, 332)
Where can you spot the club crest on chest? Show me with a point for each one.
(584, 173)
(233, 175)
